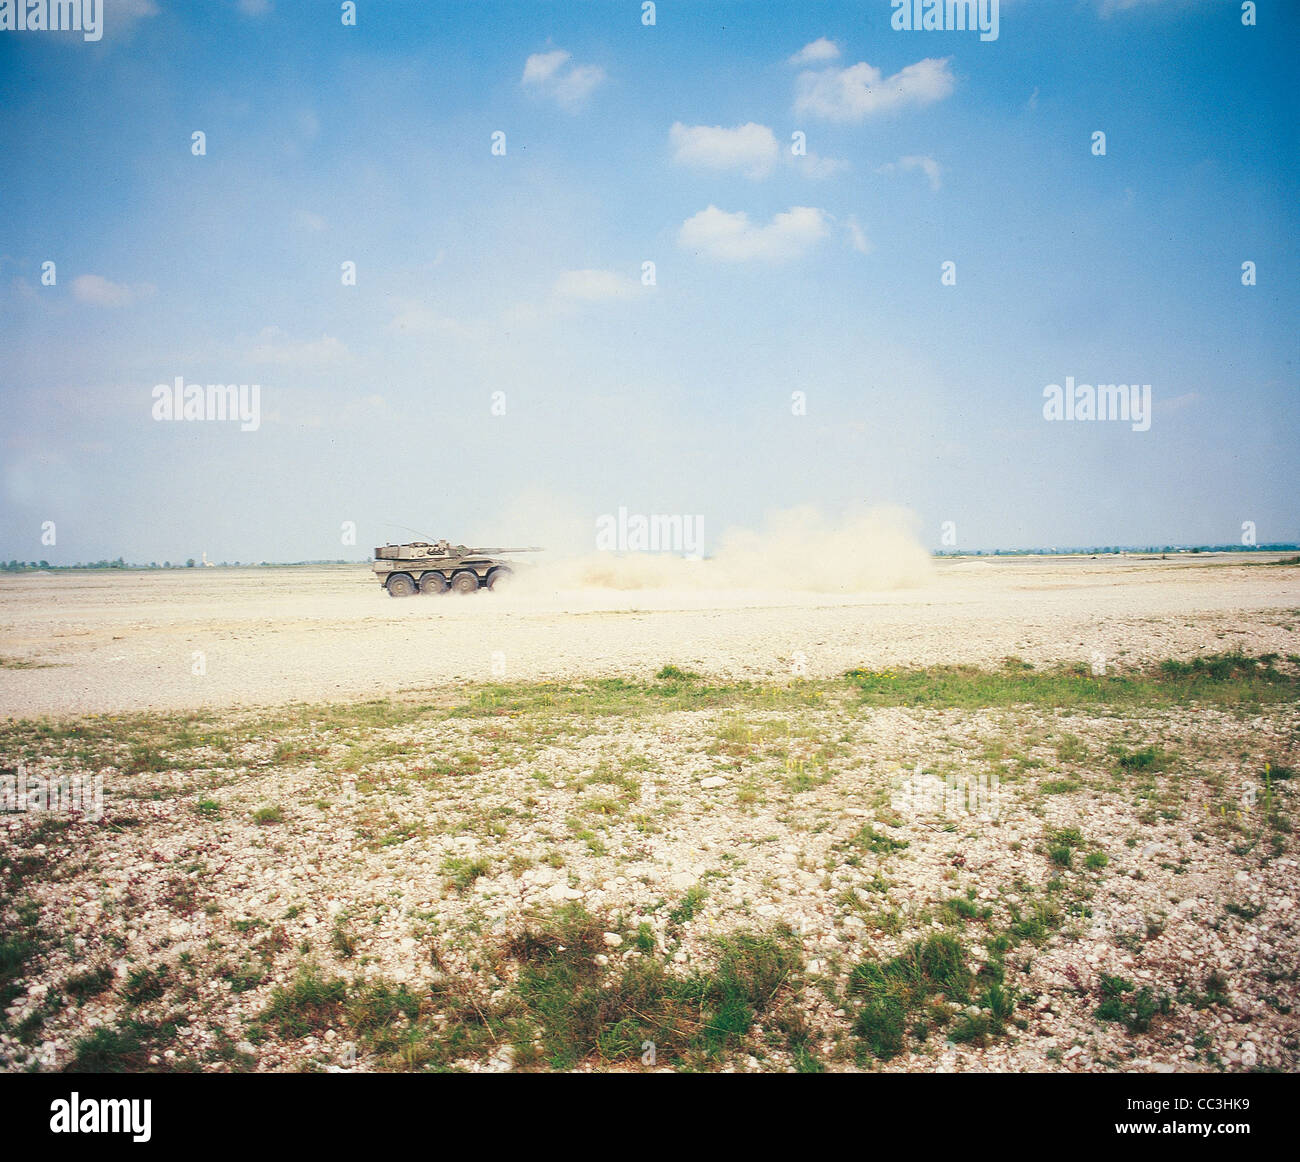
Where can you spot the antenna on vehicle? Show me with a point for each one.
(395, 525)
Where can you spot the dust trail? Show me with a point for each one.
(796, 550)
(799, 548)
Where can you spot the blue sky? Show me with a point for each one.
(522, 273)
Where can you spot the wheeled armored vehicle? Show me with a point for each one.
(439, 567)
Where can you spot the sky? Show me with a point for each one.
(798, 175)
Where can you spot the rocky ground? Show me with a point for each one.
(1016, 868)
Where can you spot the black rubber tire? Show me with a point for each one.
(464, 582)
(433, 583)
(500, 576)
(399, 585)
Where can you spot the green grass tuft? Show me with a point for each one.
(894, 993)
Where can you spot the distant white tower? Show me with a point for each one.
(207, 564)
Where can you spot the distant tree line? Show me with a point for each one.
(1103, 549)
(190, 563)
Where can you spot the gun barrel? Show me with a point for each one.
(489, 552)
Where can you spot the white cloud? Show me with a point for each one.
(861, 90)
(100, 292)
(541, 66)
(571, 291)
(254, 7)
(578, 83)
(1110, 7)
(750, 148)
(306, 220)
(820, 49)
(927, 165)
(552, 73)
(857, 236)
(733, 238)
(813, 165)
(594, 286)
(1175, 403)
(415, 319)
(274, 346)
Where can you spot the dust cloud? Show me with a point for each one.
(799, 550)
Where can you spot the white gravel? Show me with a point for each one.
(129, 641)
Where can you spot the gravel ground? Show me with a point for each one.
(757, 817)
(129, 641)
(406, 852)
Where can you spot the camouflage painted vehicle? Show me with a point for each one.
(438, 566)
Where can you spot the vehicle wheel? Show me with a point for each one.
(500, 578)
(433, 583)
(465, 582)
(399, 585)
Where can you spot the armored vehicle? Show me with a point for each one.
(437, 566)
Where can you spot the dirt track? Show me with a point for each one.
(122, 641)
